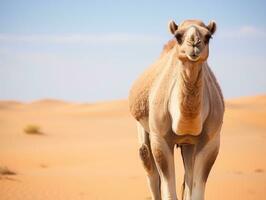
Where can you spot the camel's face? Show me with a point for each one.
(192, 39)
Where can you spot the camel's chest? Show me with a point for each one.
(166, 113)
(186, 112)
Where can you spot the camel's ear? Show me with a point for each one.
(212, 27)
(172, 27)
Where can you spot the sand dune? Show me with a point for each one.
(90, 151)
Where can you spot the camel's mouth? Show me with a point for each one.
(193, 58)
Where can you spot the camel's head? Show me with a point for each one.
(193, 39)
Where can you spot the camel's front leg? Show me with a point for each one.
(198, 160)
(188, 155)
(163, 154)
(204, 160)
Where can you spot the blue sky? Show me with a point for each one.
(93, 50)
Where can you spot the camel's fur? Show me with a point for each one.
(178, 101)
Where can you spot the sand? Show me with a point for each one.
(90, 151)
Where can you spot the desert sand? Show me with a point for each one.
(90, 151)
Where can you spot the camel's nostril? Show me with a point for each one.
(196, 51)
(194, 54)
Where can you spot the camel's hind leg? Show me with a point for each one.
(148, 163)
(198, 160)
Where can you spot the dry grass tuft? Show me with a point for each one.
(259, 170)
(5, 171)
(32, 129)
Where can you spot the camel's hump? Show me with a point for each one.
(139, 93)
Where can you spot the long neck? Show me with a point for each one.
(190, 94)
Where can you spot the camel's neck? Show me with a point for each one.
(190, 97)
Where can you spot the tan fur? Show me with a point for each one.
(139, 93)
(190, 22)
(207, 168)
(145, 156)
(161, 160)
(190, 104)
(190, 93)
(168, 47)
(178, 101)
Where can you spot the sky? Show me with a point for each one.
(89, 51)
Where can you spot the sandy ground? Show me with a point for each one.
(90, 151)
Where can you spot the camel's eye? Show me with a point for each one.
(207, 38)
(179, 38)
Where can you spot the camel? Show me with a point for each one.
(177, 102)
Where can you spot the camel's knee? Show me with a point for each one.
(161, 161)
(145, 155)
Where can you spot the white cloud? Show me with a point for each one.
(244, 32)
(110, 38)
